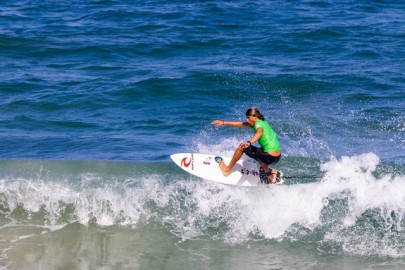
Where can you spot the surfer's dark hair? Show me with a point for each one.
(254, 112)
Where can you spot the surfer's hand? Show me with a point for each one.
(218, 123)
(244, 145)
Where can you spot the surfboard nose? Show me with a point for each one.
(181, 158)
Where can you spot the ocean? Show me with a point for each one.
(96, 95)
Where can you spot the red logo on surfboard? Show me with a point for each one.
(183, 162)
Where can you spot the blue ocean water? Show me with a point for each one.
(95, 96)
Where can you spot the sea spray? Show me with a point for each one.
(348, 207)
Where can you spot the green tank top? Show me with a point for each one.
(268, 141)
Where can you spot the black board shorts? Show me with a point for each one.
(257, 154)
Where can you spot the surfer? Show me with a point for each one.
(268, 153)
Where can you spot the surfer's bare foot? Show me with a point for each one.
(224, 168)
(272, 176)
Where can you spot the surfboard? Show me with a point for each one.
(245, 173)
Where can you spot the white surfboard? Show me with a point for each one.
(206, 166)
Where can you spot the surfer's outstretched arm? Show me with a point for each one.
(240, 124)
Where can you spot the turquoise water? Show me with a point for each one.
(95, 96)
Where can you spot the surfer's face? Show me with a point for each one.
(251, 120)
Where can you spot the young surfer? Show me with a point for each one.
(268, 153)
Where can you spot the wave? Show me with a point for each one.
(354, 205)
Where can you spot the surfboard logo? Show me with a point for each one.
(185, 163)
(207, 161)
(245, 171)
(218, 159)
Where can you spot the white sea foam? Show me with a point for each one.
(104, 205)
(271, 212)
(192, 207)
